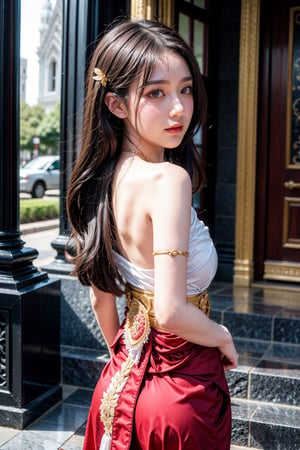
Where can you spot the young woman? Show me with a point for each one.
(130, 206)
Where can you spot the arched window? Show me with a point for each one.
(52, 76)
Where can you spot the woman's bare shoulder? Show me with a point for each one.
(170, 176)
(170, 186)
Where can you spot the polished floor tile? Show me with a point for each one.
(275, 427)
(59, 428)
(283, 352)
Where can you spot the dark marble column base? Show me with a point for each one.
(19, 418)
(30, 368)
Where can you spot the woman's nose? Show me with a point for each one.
(177, 108)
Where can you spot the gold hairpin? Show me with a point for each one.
(100, 76)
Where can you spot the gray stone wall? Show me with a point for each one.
(78, 324)
(228, 26)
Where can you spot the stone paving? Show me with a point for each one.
(60, 428)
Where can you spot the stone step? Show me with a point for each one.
(266, 372)
(264, 426)
(265, 396)
(238, 447)
(261, 314)
(82, 367)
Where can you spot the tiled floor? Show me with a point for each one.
(269, 351)
(60, 428)
(275, 312)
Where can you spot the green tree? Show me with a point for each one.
(48, 130)
(30, 119)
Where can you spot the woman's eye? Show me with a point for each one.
(187, 90)
(157, 93)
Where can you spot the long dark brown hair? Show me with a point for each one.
(128, 51)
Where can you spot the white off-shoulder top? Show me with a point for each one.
(201, 262)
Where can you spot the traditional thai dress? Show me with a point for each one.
(159, 391)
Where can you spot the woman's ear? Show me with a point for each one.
(115, 105)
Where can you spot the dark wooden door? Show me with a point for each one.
(277, 248)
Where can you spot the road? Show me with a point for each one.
(48, 194)
(41, 241)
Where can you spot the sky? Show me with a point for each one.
(30, 39)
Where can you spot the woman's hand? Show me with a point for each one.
(228, 352)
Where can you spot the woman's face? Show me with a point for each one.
(161, 117)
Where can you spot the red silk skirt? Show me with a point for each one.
(176, 398)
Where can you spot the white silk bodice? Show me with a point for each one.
(201, 262)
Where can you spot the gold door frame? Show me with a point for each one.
(146, 9)
(247, 126)
(247, 144)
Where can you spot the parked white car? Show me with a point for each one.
(40, 175)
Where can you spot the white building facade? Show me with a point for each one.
(49, 53)
(23, 79)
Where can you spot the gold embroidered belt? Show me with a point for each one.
(136, 297)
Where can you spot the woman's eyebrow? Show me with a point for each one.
(151, 82)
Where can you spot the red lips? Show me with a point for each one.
(177, 128)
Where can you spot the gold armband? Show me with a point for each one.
(172, 252)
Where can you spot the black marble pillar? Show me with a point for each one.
(224, 90)
(83, 22)
(78, 25)
(29, 301)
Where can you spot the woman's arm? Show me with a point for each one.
(105, 310)
(170, 211)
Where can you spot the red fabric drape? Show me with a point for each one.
(175, 399)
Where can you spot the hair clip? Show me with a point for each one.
(100, 76)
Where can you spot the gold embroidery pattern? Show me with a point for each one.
(137, 324)
(137, 329)
(203, 303)
(111, 395)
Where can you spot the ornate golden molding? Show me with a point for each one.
(166, 12)
(246, 147)
(287, 240)
(285, 271)
(143, 9)
(293, 86)
(146, 9)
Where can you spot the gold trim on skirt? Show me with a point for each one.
(146, 298)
